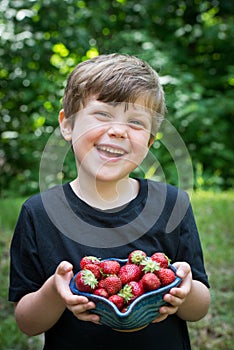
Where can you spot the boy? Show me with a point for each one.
(111, 112)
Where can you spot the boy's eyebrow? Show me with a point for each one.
(137, 107)
(139, 110)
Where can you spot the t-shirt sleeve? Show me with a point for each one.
(26, 272)
(190, 249)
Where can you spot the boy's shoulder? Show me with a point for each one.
(37, 200)
(167, 190)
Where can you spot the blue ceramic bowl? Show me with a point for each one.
(139, 314)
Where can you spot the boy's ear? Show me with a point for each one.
(151, 140)
(65, 126)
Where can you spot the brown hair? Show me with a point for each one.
(114, 78)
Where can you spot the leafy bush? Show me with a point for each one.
(188, 42)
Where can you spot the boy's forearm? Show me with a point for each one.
(196, 304)
(38, 311)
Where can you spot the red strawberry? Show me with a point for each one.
(166, 276)
(89, 260)
(150, 281)
(129, 272)
(117, 300)
(136, 257)
(148, 265)
(86, 281)
(131, 291)
(141, 285)
(161, 259)
(137, 288)
(110, 267)
(112, 284)
(94, 268)
(101, 283)
(124, 309)
(101, 292)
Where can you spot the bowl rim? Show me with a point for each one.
(120, 314)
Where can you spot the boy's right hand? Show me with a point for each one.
(78, 305)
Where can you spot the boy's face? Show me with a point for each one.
(109, 139)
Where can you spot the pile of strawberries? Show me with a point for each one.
(123, 284)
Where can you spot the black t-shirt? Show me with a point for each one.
(56, 225)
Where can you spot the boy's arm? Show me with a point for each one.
(196, 303)
(38, 311)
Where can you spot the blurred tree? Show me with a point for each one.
(190, 43)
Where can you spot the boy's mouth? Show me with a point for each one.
(110, 151)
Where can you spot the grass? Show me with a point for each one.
(214, 216)
(10, 336)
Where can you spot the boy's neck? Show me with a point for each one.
(106, 195)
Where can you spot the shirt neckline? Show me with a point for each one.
(77, 202)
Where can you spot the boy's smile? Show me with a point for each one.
(109, 151)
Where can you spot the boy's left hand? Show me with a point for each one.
(177, 296)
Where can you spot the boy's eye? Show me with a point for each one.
(137, 123)
(103, 115)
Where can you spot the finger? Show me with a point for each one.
(181, 292)
(183, 269)
(184, 288)
(174, 300)
(160, 318)
(81, 307)
(168, 310)
(62, 277)
(73, 300)
(64, 267)
(87, 316)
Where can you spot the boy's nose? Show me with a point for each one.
(118, 130)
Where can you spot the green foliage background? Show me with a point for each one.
(189, 42)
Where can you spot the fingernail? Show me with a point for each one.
(66, 267)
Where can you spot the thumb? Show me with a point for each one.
(183, 269)
(64, 267)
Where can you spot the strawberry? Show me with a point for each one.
(117, 300)
(126, 293)
(137, 288)
(124, 309)
(131, 291)
(161, 259)
(94, 268)
(149, 265)
(129, 272)
(123, 284)
(150, 281)
(86, 281)
(101, 283)
(166, 276)
(112, 284)
(89, 260)
(110, 267)
(136, 257)
(101, 292)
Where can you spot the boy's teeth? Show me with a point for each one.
(110, 150)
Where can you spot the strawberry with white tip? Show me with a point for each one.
(86, 281)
